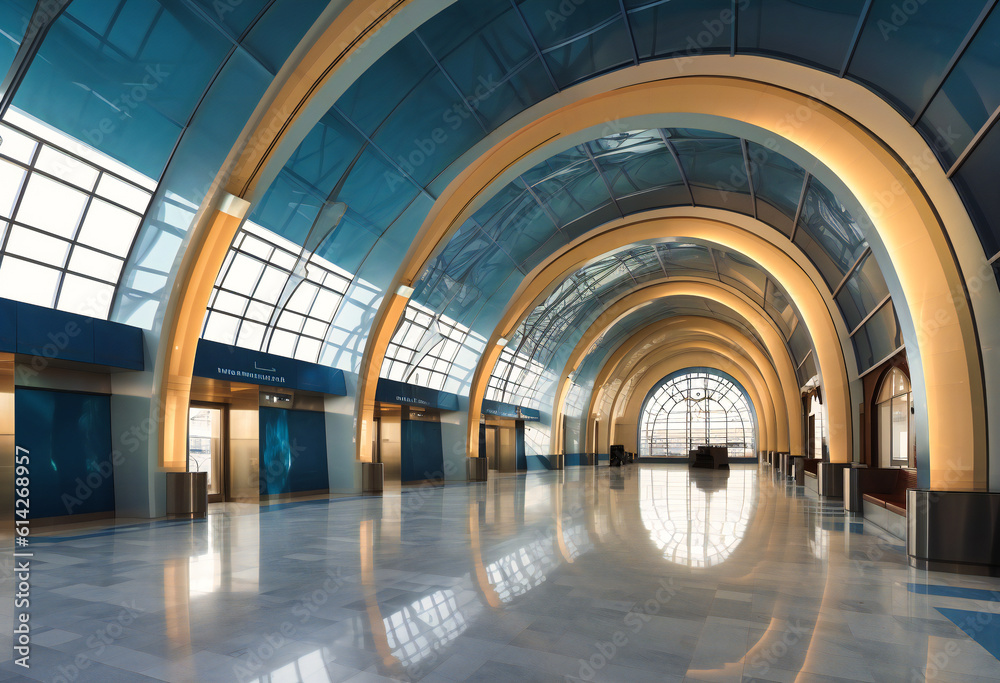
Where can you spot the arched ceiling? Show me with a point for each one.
(126, 111)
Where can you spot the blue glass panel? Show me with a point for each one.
(976, 182)
(879, 337)
(902, 55)
(969, 96)
(325, 154)
(525, 227)
(791, 28)
(691, 27)
(487, 52)
(594, 218)
(607, 48)
(686, 259)
(292, 451)
(862, 292)
(210, 137)
(349, 244)
(807, 370)
(372, 97)
(777, 185)
(557, 240)
(576, 194)
(716, 170)
(497, 92)
(636, 163)
(127, 86)
(235, 15)
(429, 129)
(828, 234)
(555, 23)
(14, 18)
(274, 37)
(376, 192)
(288, 208)
(780, 309)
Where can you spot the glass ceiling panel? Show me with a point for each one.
(103, 74)
(828, 234)
(904, 61)
(862, 292)
(777, 186)
(555, 326)
(877, 338)
(14, 18)
(969, 96)
(715, 168)
(665, 27)
(789, 28)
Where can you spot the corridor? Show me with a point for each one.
(648, 573)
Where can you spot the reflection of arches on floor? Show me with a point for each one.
(692, 525)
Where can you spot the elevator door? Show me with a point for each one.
(207, 447)
(493, 447)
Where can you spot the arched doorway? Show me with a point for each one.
(695, 407)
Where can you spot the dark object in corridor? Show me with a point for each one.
(616, 456)
(712, 457)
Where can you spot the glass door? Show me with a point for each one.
(206, 447)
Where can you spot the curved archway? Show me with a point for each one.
(665, 362)
(643, 343)
(696, 406)
(910, 230)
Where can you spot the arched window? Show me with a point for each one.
(695, 408)
(896, 445)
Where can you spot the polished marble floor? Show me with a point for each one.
(648, 573)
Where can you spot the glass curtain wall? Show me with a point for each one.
(695, 409)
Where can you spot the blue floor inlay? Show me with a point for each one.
(982, 627)
(954, 592)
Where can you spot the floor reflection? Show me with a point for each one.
(697, 517)
(691, 575)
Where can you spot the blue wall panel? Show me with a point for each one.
(422, 454)
(68, 439)
(292, 451)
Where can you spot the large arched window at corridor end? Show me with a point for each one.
(896, 445)
(697, 407)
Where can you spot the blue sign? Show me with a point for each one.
(506, 410)
(221, 361)
(391, 391)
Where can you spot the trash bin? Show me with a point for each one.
(798, 469)
(372, 477)
(852, 488)
(187, 494)
(478, 469)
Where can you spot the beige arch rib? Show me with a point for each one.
(637, 348)
(712, 291)
(624, 429)
(745, 372)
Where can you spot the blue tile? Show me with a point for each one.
(983, 627)
(954, 592)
